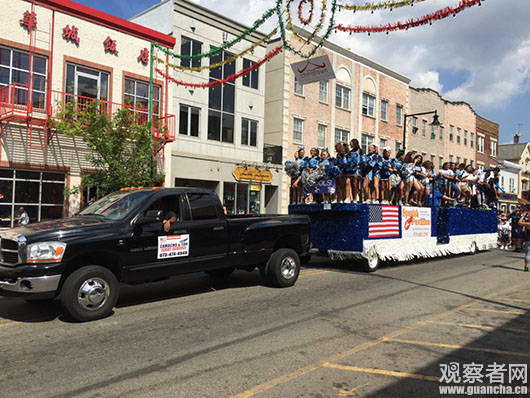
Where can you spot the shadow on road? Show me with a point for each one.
(505, 345)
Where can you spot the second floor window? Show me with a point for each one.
(190, 47)
(368, 105)
(250, 79)
(493, 148)
(451, 133)
(298, 88)
(343, 97)
(249, 132)
(433, 134)
(441, 133)
(341, 135)
(321, 139)
(424, 128)
(298, 130)
(14, 68)
(399, 114)
(384, 106)
(472, 140)
(458, 135)
(480, 144)
(465, 137)
(189, 118)
(136, 95)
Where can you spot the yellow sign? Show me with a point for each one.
(252, 174)
(254, 187)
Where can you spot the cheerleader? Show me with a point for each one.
(387, 168)
(327, 166)
(419, 174)
(356, 155)
(428, 182)
(297, 184)
(407, 174)
(340, 160)
(373, 162)
(397, 183)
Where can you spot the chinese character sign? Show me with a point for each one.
(110, 45)
(71, 34)
(144, 56)
(29, 20)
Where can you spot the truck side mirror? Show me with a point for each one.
(150, 217)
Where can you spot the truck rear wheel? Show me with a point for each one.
(89, 293)
(283, 268)
(372, 261)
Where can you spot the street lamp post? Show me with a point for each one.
(435, 122)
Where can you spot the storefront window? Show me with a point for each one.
(229, 197)
(40, 193)
(254, 199)
(242, 199)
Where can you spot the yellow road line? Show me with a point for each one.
(496, 311)
(309, 368)
(516, 300)
(459, 347)
(381, 372)
(316, 272)
(482, 327)
(8, 323)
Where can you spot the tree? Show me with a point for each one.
(121, 145)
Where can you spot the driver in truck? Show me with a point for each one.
(169, 216)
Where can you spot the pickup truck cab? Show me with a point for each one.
(142, 235)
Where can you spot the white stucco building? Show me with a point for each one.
(219, 143)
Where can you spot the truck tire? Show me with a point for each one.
(89, 293)
(221, 273)
(283, 268)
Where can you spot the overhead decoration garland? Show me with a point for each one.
(214, 83)
(221, 63)
(306, 21)
(412, 23)
(226, 45)
(315, 39)
(379, 6)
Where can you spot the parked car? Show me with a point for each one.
(143, 235)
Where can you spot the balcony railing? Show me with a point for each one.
(14, 105)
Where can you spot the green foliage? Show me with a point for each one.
(121, 146)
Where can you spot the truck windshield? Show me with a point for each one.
(116, 206)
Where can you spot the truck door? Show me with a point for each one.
(155, 253)
(208, 231)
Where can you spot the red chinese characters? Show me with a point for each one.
(29, 20)
(71, 34)
(144, 56)
(110, 46)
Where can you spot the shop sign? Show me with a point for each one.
(144, 56)
(110, 46)
(415, 222)
(255, 187)
(252, 174)
(71, 34)
(313, 70)
(29, 20)
(326, 186)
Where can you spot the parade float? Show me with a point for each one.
(373, 233)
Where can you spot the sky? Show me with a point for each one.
(482, 56)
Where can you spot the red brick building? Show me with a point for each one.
(487, 147)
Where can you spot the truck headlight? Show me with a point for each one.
(45, 252)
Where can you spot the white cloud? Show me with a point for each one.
(429, 79)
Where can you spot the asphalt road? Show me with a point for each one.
(337, 333)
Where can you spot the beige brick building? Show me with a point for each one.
(366, 101)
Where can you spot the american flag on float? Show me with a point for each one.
(383, 222)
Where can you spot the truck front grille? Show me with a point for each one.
(9, 251)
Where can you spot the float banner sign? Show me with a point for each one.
(415, 222)
(323, 186)
(313, 70)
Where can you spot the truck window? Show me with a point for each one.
(203, 207)
(170, 203)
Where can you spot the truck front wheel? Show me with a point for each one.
(283, 268)
(89, 293)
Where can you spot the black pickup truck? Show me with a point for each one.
(143, 235)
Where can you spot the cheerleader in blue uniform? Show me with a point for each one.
(356, 156)
(340, 161)
(396, 181)
(372, 174)
(387, 167)
(420, 174)
(297, 184)
(328, 166)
